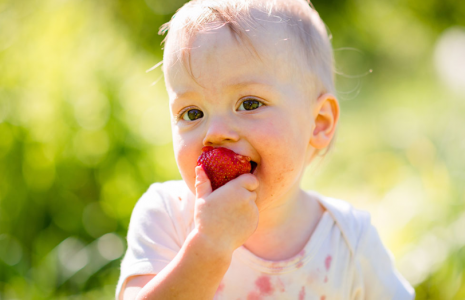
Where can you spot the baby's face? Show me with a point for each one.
(258, 107)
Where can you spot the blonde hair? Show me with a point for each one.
(240, 17)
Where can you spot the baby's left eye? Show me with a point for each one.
(250, 104)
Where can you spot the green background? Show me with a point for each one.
(84, 132)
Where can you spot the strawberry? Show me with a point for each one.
(223, 165)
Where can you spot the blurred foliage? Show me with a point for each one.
(83, 133)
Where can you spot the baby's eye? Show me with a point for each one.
(250, 104)
(192, 115)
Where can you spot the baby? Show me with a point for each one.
(255, 77)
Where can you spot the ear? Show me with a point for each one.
(326, 116)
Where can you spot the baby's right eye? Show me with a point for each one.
(192, 115)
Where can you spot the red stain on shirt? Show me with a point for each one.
(326, 279)
(179, 198)
(302, 294)
(264, 285)
(299, 265)
(253, 296)
(220, 288)
(328, 262)
(323, 297)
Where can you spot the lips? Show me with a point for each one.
(222, 165)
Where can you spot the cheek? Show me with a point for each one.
(281, 145)
(282, 137)
(186, 158)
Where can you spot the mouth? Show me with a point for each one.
(254, 166)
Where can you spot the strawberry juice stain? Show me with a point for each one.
(302, 294)
(264, 285)
(328, 262)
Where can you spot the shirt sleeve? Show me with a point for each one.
(380, 279)
(157, 231)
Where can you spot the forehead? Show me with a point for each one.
(269, 53)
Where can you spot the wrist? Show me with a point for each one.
(209, 248)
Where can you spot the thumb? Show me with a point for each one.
(203, 186)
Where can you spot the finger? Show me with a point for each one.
(253, 196)
(248, 181)
(202, 183)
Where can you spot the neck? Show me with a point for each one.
(285, 226)
(276, 213)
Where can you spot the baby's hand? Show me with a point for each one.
(228, 216)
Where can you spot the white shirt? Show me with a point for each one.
(344, 258)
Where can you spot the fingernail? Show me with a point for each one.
(198, 172)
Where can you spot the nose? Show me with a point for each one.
(220, 131)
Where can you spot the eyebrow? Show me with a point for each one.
(243, 84)
(232, 86)
(187, 94)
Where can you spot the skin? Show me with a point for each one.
(257, 210)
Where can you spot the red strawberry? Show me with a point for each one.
(223, 165)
